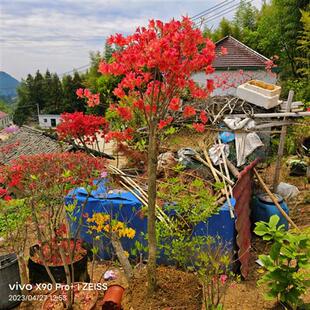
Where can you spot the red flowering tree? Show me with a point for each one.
(156, 65)
(83, 129)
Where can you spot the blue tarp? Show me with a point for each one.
(125, 207)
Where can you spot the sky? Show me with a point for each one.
(59, 34)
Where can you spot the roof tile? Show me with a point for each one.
(239, 55)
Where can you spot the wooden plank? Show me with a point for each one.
(282, 143)
(271, 115)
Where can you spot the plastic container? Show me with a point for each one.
(264, 88)
(38, 273)
(259, 96)
(263, 208)
(113, 297)
(9, 275)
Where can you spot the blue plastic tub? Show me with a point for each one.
(127, 208)
(263, 208)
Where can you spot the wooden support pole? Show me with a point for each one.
(274, 199)
(271, 115)
(282, 143)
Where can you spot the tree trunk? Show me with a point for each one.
(23, 271)
(123, 259)
(152, 167)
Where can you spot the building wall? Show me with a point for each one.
(5, 122)
(227, 81)
(48, 120)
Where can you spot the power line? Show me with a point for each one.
(223, 12)
(212, 9)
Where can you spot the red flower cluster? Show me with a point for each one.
(189, 111)
(81, 126)
(92, 99)
(157, 63)
(37, 174)
(4, 194)
(269, 64)
(120, 136)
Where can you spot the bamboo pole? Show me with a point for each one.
(227, 194)
(225, 167)
(162, 216)
(274, 199)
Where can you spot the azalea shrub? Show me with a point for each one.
(42, 181)
(83, 129)
(156, 64)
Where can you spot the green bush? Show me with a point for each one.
(287, 265)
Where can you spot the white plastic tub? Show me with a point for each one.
(260, 93)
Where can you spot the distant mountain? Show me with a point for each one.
(8, 86)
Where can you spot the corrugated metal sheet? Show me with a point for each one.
(242, 192)
(239, 55)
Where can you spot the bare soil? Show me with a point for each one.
(176, 290)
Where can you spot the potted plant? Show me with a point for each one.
(43, 181)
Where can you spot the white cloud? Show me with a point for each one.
(59, 34)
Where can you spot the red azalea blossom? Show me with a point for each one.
(124, 112)
(80, 92)
(199, 127)
(139, 104)
(174, 104)
(269, 64)
(189, 111)
(209, 69)
(210, 85)
(223, 278)
(49, 169)
(81, 126)
(203, 117)
(224, 50)
(156, 65)
(164, 123)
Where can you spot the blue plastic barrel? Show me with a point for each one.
(263, 208)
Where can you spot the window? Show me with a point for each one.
(53, 122)
(45, 120)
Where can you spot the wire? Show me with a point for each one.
(212, 9)
(223, 12)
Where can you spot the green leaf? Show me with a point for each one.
(273, 221)
(275, 250)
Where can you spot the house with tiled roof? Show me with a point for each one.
(240, 64)
(4, 120)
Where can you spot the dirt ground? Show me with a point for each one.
(177, 290)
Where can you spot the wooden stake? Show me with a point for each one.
(282, 143)
(274, 199)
